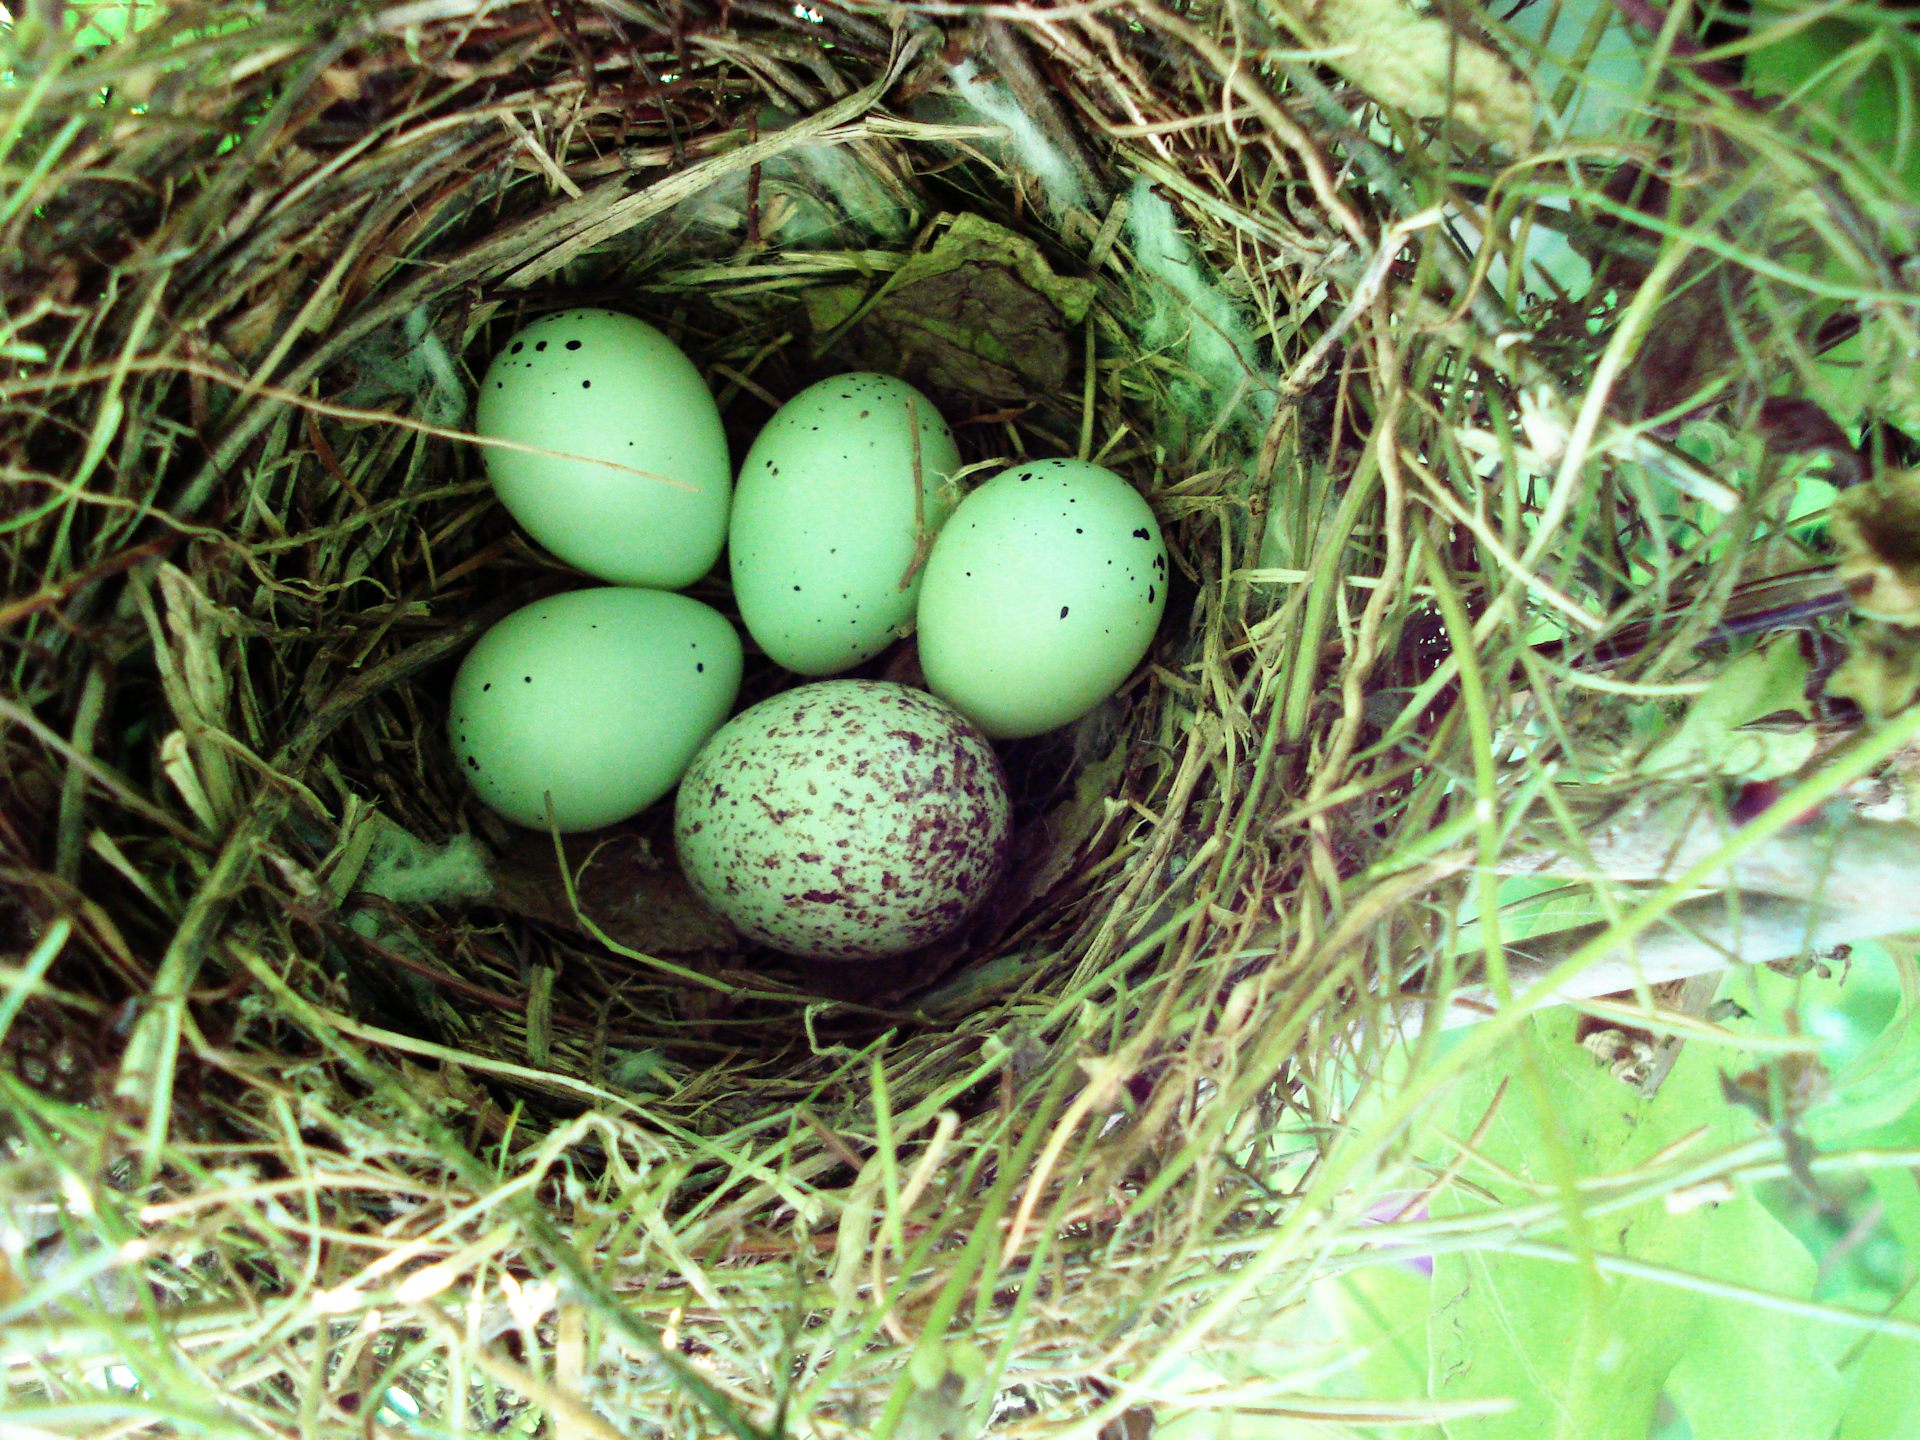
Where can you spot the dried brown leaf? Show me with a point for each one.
(979, 315)
(625, 886)
(1423, 65)
(1877, 529)
(1800, 427)
(1881, 673)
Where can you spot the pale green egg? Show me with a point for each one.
(636, 480)
(826, 520)
(595, 700)
(845, 820)
(1041, 595)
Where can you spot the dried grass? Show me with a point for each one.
(280, 1148)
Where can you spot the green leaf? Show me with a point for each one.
(1426, 64)
(1746, 1374)
(1899, 1197)
(947, 1383)
(1845, 80)
(1361, 1336)
(1584, 1357)
(1382, 1313)
(1713, 737)
(1576, 1356)
(1869, 1043)
(1529, 906)
(1884, 1383)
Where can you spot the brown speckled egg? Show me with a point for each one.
(845, 820)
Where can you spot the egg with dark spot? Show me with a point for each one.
(592, 703)
(835, 502)
(845, 820)
(1041, 596)
(616, 461)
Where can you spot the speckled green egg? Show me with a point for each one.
(596, 699)
(845, 820)
(1041, 595)
(830, 503)
(603, 386)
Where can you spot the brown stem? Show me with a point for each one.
(1837, 859)
(1035, 96)
(922, 537)
(1701, 935)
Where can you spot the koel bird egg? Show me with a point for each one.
(845, 820)
(628, 475)
(1041, 595)
(595, 700)
(836, 501)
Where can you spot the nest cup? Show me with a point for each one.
(404, 1107)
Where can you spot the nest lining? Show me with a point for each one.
(265, 547)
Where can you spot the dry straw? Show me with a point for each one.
(333, 1109)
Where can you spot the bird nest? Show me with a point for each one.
(334, 1104)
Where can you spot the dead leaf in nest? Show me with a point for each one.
(246, 333)
(625, 887)
(1046, 852)
(446, 1088)
(1134, 1423)
(1881, 673)
(1800, 427)
(980, 314)
(1421, 64)
(1877, 529)
(1689, 349)
(11, 1290)
(1800, 1080)
(1048, 848)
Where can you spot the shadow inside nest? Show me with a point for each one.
(994, 325)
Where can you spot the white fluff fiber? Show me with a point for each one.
(1030, 144)
(407, 363)
(1188, 313)
(1186, 310)
(410, 871)
(817, 196)
(438, 377)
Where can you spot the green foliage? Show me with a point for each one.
(1743, 1373)
(1588, 1356)
(841, 1207)
(87, 26)
(109, 23)
(1884, 1376)
(1852, 80)
(1363, 1334)
(1595, 1357)
(1529, 906)
(1870, 1043)
(1712, 734)
(1505, 1341)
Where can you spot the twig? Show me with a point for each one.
(1700, 936)
(1306, 372)
(1036, 97)
(1809, 887)
(1839, 860)
(146, 1074)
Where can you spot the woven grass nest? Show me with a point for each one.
(323, 1086)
